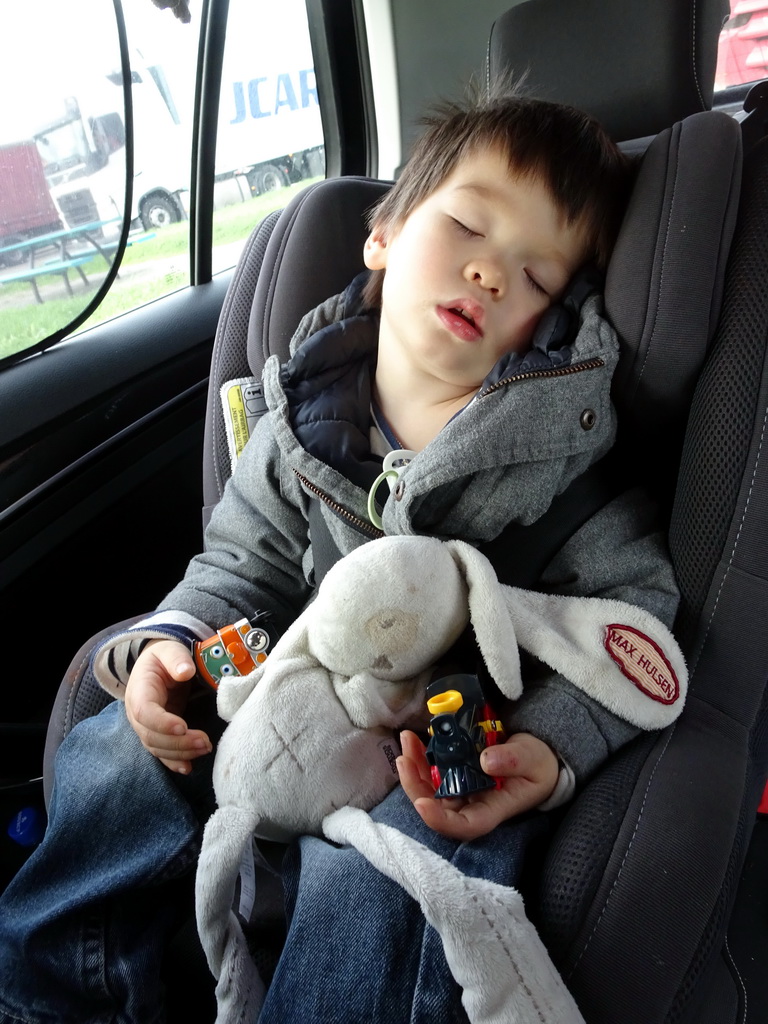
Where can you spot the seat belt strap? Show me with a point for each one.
(520, 554)
(325, 552)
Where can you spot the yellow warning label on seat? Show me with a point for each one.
(237, 416)
(242, 404)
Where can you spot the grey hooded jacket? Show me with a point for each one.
(531, 430)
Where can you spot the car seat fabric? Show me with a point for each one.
(79, 696)
(665, 281)
(641, 933)
(320, 238)
(637, 67)
(229, 359)
(728, 407)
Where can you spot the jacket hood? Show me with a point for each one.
(538, 422)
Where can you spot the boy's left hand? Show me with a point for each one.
(526, 764)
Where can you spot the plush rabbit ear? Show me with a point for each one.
(234, 690)
(490, 618)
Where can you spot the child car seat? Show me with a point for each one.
(639, 885)
(640, 879)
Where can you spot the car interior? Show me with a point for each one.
(652, 897)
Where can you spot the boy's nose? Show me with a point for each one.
(488, 274)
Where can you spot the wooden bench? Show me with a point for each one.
(60, 267)
(103, 247)
(135, 239)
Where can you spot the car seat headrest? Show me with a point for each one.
(666, 276)
(637, 68)
(315, 250)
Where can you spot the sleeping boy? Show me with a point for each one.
(450, 352)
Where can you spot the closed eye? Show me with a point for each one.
(534, 284)
(464, 229)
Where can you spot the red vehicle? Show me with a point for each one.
(26, 206)
(743, 48)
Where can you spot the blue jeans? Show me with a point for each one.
(85, 924)
(358, 947)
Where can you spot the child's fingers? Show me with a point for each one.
(156, 690)
(180, 759)
(411, 780)
(177, 763)
(413, 767)
(153, 720)
(528, 769)
(414, 749)
(166, 735)
(415, 775)
(411, 745)
(181, 767)
(175, 659)
(193, 744)
(522, 757)
(464, 822)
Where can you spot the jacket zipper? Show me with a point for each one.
(366, 527)
(353, 520)
(563, 371)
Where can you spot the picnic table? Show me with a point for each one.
(67, 258)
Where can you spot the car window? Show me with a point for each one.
(742, 55)
(63, 130)
(63, 162)
(270, 138)
(63, 151)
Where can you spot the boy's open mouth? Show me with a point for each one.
(466, 316)
(463, 319)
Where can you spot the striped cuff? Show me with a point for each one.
(114, 659)
(564, 788)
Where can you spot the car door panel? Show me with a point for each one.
(101, 482)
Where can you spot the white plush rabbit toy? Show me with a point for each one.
(311, 746)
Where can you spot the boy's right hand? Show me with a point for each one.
(156, 694)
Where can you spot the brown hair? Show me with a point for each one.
(567, 150)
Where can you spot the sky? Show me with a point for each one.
(53, 48)
(44, 54)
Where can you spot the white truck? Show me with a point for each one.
(270, 134)
(274, 135)
(83, 151)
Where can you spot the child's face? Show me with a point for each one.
(471, 270)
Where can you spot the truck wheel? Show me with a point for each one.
(267, 178)
(13, 259)
(158, 212)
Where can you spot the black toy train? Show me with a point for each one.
(462, 725)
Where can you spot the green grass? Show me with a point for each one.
(24, 323)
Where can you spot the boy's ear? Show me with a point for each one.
(375, 250)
